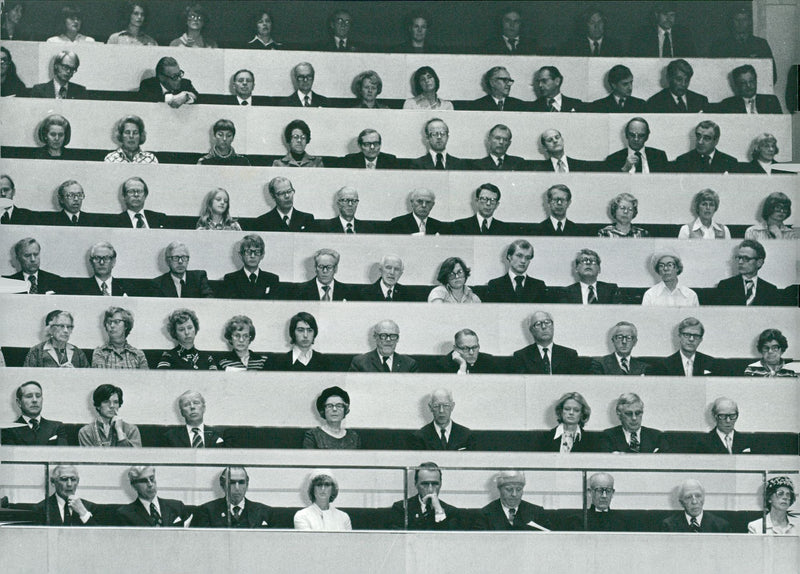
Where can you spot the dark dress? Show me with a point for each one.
(187, 359)
(318, 438)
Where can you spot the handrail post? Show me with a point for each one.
(585, 482)
(405, 498)
(47, 493)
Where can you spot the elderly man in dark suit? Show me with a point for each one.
(601, 517)
(466, 356)
(547, 82)
(134, 195)
(102, 259)
(39, 282)
(234, 509)
(323, 287)
(664, 39)
(620, 100)
(630, 436)
(497, 142)
(340, 23)
(70, 198)
(516, 286)
(509, 511)
(195, 434)
(179, 281)
(543, 357)
(437, 134)
(425, 510)
(346, 222)
(677, 98)
(149, 509)
(61, 87)
(511, 41)
(383, 358)
(624, 337)
(168, 85)
(747, 100)
(705, 157)
(31, 427)
(242, 83)
(370, 156)
(688, 361)
(64, 507)
(747, 288)
(10, 213)
(251, 282)
(692, 496)
(283, 217)
(591, 39)
(304, 96)
(588, 290)
(442, 433)
(497, 82)
(387, 287)
(418, 222)
(557, 159)
(739, 41)
(723, 438)
(558, 198)
(487, 200)
(636, 158)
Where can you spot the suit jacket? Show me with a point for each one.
(579, 46)
(461, 438)
(272, 221)
(765, 104)
(610, 521)
(545, 227)
(563, 361)
(196, 285)
(427, 521)
(50, 433)
(608, 365)
(373, 292)
(607, 294)
(494, 517)
(711, 523)
(451, 162)
(691, 162)
(673, 365)
(549, 443)
(150, 90)
(608, 105)
(55, 514)
(334, 225)
(173, 513)
(308, 291)
(501, 290)
(650, 440)
(357, 160)
(155, 219)
(293, 100)
(510, 163)
(470, 226)
(214, 514)
(45, 281)
(48, 90)
(730, 291)
(232, 100)
(89, 286)
(486, 104)
(371, 363)
(22, 216)
(84, 219)
(177, 437)
(657, 160)
(663, 103)
(525, 46)
(485, 363)
(236, 285)
(644, 44)
(329, 45)
(710, 443)
(567, 105)
(572, 163)
(406, 224)
(754, 166)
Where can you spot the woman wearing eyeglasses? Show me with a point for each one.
(624, 208)
(333, 405)
(303, 332)
(777, 209)
(196, 19)
(56, 350)
(72, 20)
(240, 332)
(668, 292)
(323, 488)
(572, 413)
(453, 275)
(297, 136)
(117, 353)
(772, 344)
(779, 496)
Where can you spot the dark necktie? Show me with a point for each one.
(34, 288)
(386, 368)
(499, 163)
(139, 221)
(518, 280)
(500, 105)
(62, 93)
(748, 291)
(237, 514)
(244, 102)
(35, 425)
(326, 296)
(546, 363)
(595, 48)
(5, 218)
(638, 163)
(592, 298)
(484, 227)
(349, 228)
(624, 365)
(621, 103)
(681, 105)
(666, 47)
(512, 513)
(74, 219)
(183, 287)
(551, 105)
(67, 515)
(634, 445)
(62, 356)
(343, 44)
(444, 440)
(388, 294)
(197, 440)
(104, 290)
(307, 102)
(155, 515)
(439, 161)
(694, 526)
(560, 228)
(286, 220)
(253, 279)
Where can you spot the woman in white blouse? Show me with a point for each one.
(668, 292)
(779, 494)
(425, 85)
(323, 488)
(705, 205)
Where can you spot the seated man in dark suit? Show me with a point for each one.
(677, 98)
(510, 41)
(692, 497)
(497, 84)
(620, 100)
(134, 194)
(466, 356)
(40, 282)
(251, 282)
(70, 198)
(624, 337)
(242, 83)
(723, 438)
(497, 142)
(543, 357)
(601, 517)
(591, 39)
(418, 221)
(222, 152)
(196, 434)
(370, 156)
(178, 281)
(346, 222)
(387, 287)
(233, 510)
(487, 200)
(283, 217)
(31, 428)
(705, 157)
(103, 258)
(636, 158)
(557, 159)
(662, 39)
(65, 65)
(323, 287)
(64, 507)
(510, 512)
(747, 100)
(304, 96)
(425, 510)
(630, 436)
(442, 433)
(688, 362)
(437, 134)
(547, 87)
(168, 85)
(747, 288)
(517, 286)
(588, 290)
(739, 42)
(383, 359)
(9, 212)
(340, 23)
(558, 198)
(149, 509)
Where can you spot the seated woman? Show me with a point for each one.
(704, 205)
(333, 405)
(624, 208)
(56, 350)
(109, 429)
(453, 275)
(416, 27)
(762, 157)
(572, 413)
(668, 293)
(779, 494)
(772, 345)
(10, 22)
(303, 332)
(323, 488)
(183, 326)
(240, 332)
(196, 19)
(217, 212)
(263, 39)
(117, 353)
(134, 15)
(10, 84)
(777, 209)
(366, 87)
(55, 133)
(297, 136)
(425, 86)
(131, 135)
(72, 20)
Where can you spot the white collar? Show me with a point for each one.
(560, 431)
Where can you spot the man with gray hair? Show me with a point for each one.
(442, 433)
(323, 287)
(498, 140)
(631, 436)
(497, 82)
(178, 281)
(544, 357)
(418, 221)
(304, 96)
(149, 509)
(346, 222)
(705, 157)
(624, 337)
(27, 252)
(387, 287)
(688, 361)
(601, 518)
(370, 156)
(61, 87)
(383, 359)
(196, 434)
(437, 134)
(588, 290)
(723, 438)
(692, 497)
(64, 507)
(70, 199)
(103, 258)
(509, 511)
(466, 358)
(283, 217)
(233, 510)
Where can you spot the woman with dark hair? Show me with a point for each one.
(10, 84)
(333, 405)
(572, 413)
(109, 429)
(54, 132)
(367, 86)
(779, 496)
(303, 332)
(130, 135)
(416, 26)
(240, 332)
(772, 344)
(72, 20)
(323, 488)
(217, 212)
(777, 209)
(56, 350)
(624, 208)
(10, 19)
(183, 326)
(425, 86)
(452, 276)
(263, 39)
(134, 15)
(196, 19)
(705, 205)
(297, 136)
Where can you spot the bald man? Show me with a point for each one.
(442, 433)
(387, 287)
(544, 357)
(466, 356)
(383, 358)
(346, 200)
(724, 438)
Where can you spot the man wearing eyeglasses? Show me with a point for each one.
(251, 282)
(346, 222)
(688, 361)
(723, 438)
(442, 433)
(747, 288)
(497, 84)
(27, 252)
(303, 96)
(383, 358)
(588, 290)
(134, 195)
(692, 497)
(103, 258)
(168, 85)
(178, 281)
(61, 87)
(64, 507)
(283, 217)
(370, 156)
(339, 40)
(509, 511)
(544, 357)
(323, 287)
(437, 134)
(624, 337)
(487, 200)
(630, 436)
(149, 509)
(70, 198)
(558, 198)
(418, 222)
(466, 356)
(637, 158)
(601, 518)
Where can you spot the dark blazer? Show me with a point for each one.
(563, 361)
(765, 104)
(232, 100)
(610, 521)
(177, 437)
(545, 227)
(236, 285)
(572, 163)
(214, 514)
(22, 216)
(567, 105)
(373, 292)
(173, 513)
(607, 294)
(754, 166)
(272, 221)
(55, 514)
(486, 104)
(494, 518)
(710, 443)
(293, 101)
(155, 219)
(663, 103)
(196, 285)
(525, 46)
(644, 43)
(470, 226)
(461, 438)
(150, 90)
(329, 45)
(656, 160)
(579, 46)
(48, 90)
(334, 225)
(419, 521)
(608, 105)
(673, 365)
(730, 291)
(651, 440)
(88, 286)
(711, 523)
(44, 281)
(357, 160)
(485, 363)
(510, 163)
(371, 363)
(308, 291)
(406, 224)
(50, 433)
(608, 365)
(451, 162)
(501, 290)
(549, 443)
(691, 162)
(84, 219)
(283, 362)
